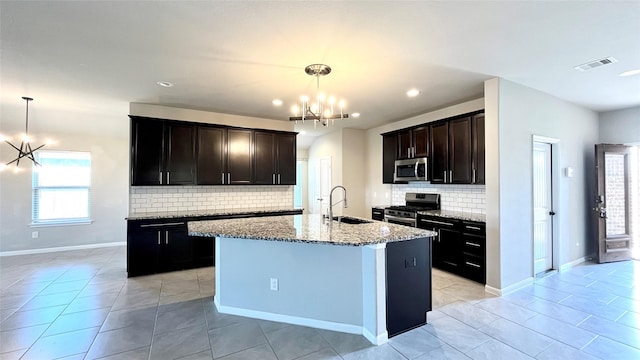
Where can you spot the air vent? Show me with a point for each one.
(596, 63)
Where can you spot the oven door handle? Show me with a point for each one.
(405, 220)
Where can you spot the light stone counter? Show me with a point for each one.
(307, 229)
(459, 215)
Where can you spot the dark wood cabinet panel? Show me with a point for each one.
(147, 144)
(389, 153)
(460, 151)
(177, 252)
(212, 150)
(404, 144)
(439, 150)
(286, 159)
(143, 254)
(180, 158)
(421, 141)
(239, 156)
(264, 170)
(408, 284)
(478, 149)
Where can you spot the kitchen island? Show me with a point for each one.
(370, 278)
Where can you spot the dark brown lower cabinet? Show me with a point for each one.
(408, 284)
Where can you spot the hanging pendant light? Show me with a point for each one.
(25, 150)
(323, 110)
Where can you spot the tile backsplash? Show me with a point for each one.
(469, 198)
(145, 199)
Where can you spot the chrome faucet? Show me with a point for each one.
(331, 204)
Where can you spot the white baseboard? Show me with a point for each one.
(375, 340)
(509, 289)
(61, 248)
(289, 319)
(570, 264)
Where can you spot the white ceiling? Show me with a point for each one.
(236, 57)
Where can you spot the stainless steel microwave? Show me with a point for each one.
(410, 170)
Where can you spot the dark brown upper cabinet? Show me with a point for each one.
(239, 157)
(275, 158)
(212, 155)
(477, 128)
(389, 154)
(162, 152)
(451, 151)
(413, 143)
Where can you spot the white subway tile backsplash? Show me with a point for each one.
(469, 198)
(184, 198)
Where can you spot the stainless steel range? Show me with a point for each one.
(414, 202)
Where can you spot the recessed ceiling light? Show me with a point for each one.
(630, 72)
(413, 93)
(356, 115)
(276, 102)
(165, 84)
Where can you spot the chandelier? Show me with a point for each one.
(25, 150)
(323, 110)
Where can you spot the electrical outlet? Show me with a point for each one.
(274, 284)
(34, 234)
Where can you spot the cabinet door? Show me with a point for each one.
(460, 151)
(286, 159)
(143, 252)
(239, 150)
(211, 155)
(146, 153)
(478, 149)
(389, 153)
(264, 170)
(421, 141)
(203, 251)
(181, 154)
(177, 251)
(404, 144)
(408, 284)
(449, 250)
(439, 150)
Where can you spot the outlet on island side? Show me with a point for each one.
(274, 284)
(34, 234)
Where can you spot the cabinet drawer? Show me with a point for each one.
(473, 268)
(377, 214)
(473, 245)
(473, 227)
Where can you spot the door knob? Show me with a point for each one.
(552, 213)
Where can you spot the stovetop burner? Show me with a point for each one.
(409, 208)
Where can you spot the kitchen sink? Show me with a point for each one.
(351, 220)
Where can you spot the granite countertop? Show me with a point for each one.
(459, 215)
(307, 229)
(210, 212)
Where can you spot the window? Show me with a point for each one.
(61, 187)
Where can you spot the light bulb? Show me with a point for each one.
(341, 103)
(332, 100)
(304, 98)
(321, 97)
(25, 138)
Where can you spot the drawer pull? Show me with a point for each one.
(473, 227)
(436, 222)
(472, 244)
(161, 225)
(472, 264)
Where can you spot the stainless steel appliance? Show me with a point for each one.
(414, 202)
(410, 170)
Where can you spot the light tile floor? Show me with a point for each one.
(80, 305)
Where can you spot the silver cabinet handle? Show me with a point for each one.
(408, 152)
(472, 264)
(160, 177)
(158, 237)
(436, 222)
(278, 178)
(439, 235)
(222, 174)
(168, 182)
(472, 244)
(473, 176)
(273, 178)
(166, 237)
(228, 178)
(450, 175)
(444, 175)
(472, 227)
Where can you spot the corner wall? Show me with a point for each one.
(620, 127)
(514, 113)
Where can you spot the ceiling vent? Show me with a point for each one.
(596, 63)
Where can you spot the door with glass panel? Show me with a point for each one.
(611, 207)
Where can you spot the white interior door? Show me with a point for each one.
(322, 185)
(542, 208)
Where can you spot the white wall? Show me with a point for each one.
(514, 113)
(353, 171)
(620, 127)
(376, 192)
(330, 146)
(106, 137)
